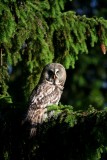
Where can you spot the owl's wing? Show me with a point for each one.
(44, 95)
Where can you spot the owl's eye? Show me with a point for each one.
(50, 73)
(57, 73)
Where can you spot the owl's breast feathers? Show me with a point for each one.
(46, 94)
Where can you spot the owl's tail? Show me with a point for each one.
(36, 118)
(33, 131)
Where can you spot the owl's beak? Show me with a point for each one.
(54, 77)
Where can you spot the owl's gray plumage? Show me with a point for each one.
(47, 92)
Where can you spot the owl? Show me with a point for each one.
(46, 93)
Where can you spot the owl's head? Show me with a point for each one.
(54, 73)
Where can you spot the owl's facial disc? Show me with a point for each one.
(54, 73)
(53, 76)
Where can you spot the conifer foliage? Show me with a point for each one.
(32, 34)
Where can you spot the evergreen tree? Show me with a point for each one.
(32, 34)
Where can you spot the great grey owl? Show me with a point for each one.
(47, 92)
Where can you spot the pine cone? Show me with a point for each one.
(103, 48)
